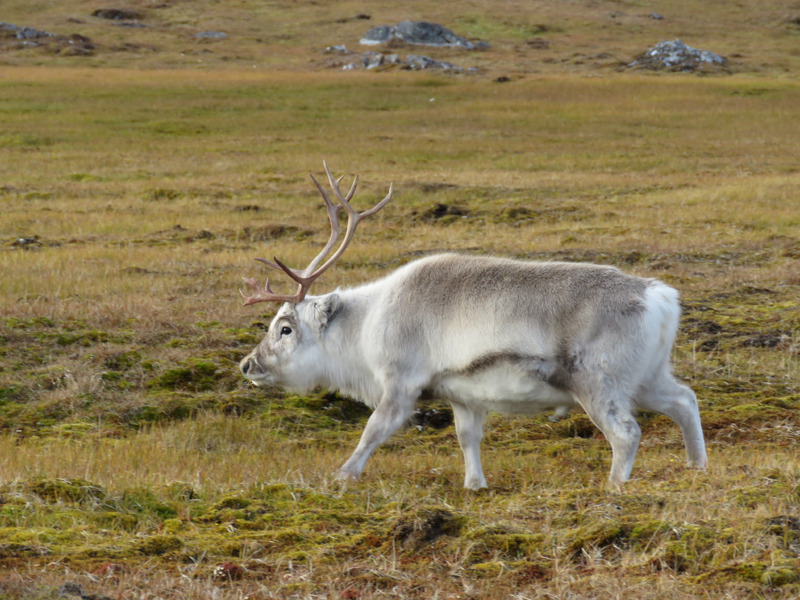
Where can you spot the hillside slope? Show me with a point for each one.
(538, 36)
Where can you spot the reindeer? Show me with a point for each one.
(483, 333)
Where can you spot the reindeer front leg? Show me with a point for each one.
(469, 428)
(393, 410)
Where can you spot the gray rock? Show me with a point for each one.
(337, 49)
(430, 34)
(418, 63)
(22, 33)
(418, 32)
(211, 35)
(413, 62)
(371, 60)
(29, 33)
(9, 30)
(677, 56)
(378, 35)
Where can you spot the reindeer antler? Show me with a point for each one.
(306, 277)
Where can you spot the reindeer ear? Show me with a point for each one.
(325, 308)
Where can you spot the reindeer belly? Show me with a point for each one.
(509, 385)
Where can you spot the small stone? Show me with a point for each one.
(211, 35)
(337, 49)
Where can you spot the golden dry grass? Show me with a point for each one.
(123, 317)
(152, 180)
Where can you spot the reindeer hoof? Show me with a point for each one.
(343, 475)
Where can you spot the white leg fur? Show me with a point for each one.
(558, 414)
(621, 430)
(668, 397)
(469, 428)
(392, 411)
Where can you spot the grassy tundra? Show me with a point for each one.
(136, 462)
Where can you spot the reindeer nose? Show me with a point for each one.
(246, 366)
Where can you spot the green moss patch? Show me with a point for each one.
(69, 490)
(194, 376)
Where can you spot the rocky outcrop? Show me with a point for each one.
(419, 63)
(9, 30)
(373, 60)
(412, 62)
(676, 56)
(416, 32)
(28, 37)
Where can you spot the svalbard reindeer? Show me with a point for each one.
(484, 334)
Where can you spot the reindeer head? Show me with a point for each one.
(291, 354)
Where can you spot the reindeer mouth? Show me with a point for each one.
(261, 380)
(254, 372)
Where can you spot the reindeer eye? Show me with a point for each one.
(286, 331)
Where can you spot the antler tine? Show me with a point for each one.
(333, 213)
(333, 218)
(352, 188)
(266, 294)
(380, 204)
(306, 277)
(335, 187)
(353, 219)
(268, 263)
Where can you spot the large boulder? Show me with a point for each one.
(430, 34)
(378, 35)
(416, 32)
(676, 56)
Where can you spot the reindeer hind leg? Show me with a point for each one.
(677, 401)
(610, 408)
